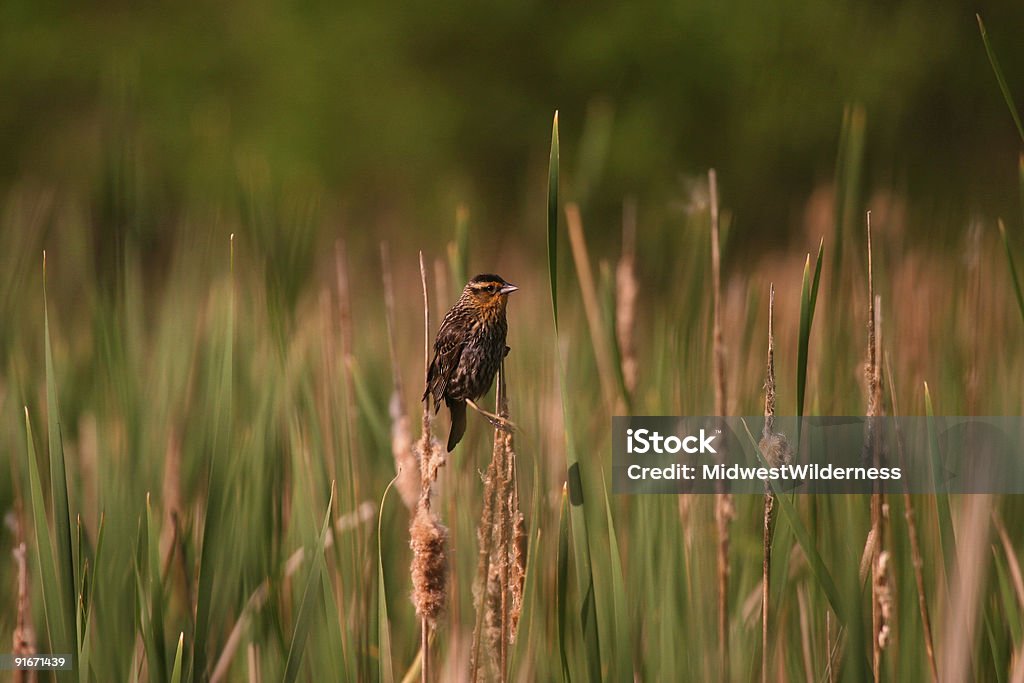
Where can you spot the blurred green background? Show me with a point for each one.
(393, 113)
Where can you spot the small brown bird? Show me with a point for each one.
(469, 348)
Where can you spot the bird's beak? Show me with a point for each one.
(507, 289)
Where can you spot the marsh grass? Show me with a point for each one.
(247, 564)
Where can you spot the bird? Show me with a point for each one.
(468, 349)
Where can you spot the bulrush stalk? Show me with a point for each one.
(880, 592)
(501, 564)
(777, 452)
(724, 510)
(428, 536)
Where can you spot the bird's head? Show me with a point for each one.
(488, 291)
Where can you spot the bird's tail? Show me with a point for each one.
(458, 412)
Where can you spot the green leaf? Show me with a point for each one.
(562, 584)
(387, 673)
(176, 672)
(623, 638)
(85, 652)
(55, 625)
(157, 668)
(59, 494)
(307, 608)
(1003, 87)
(808, 302)
(553, 219)
(574, 477)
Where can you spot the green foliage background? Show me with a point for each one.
(395, 112)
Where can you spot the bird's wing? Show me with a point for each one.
(447, 352)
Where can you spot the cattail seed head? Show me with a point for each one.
(429, 543)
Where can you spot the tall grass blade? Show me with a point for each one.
(808, 302)
(1013, 269)
(210, 550)
(85, 654)
(997, 70)
(157, 666)
(176, 671)
(574, 478)
(946, 538)
(55, 625)
(387, 673)
(552, 225)
(308, 607)
(622, 639)
(59, 492)
(562, 585)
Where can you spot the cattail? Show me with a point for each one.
(883, 593)
(501, 563)
(493, 617)
(517, 570)
(429, 543)
(428, 537)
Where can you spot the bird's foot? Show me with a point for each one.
(497, 421)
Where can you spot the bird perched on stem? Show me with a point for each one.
(469, 348)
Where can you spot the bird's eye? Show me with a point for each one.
(492, 288)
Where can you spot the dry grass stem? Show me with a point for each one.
(916, 558)
(879, 626)
(591, 305)
(724, 509)
(961, 625)
(805, 634)
(775, 448)
(23, 641)
(252, 657)
(406, 463)
(627, 291)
